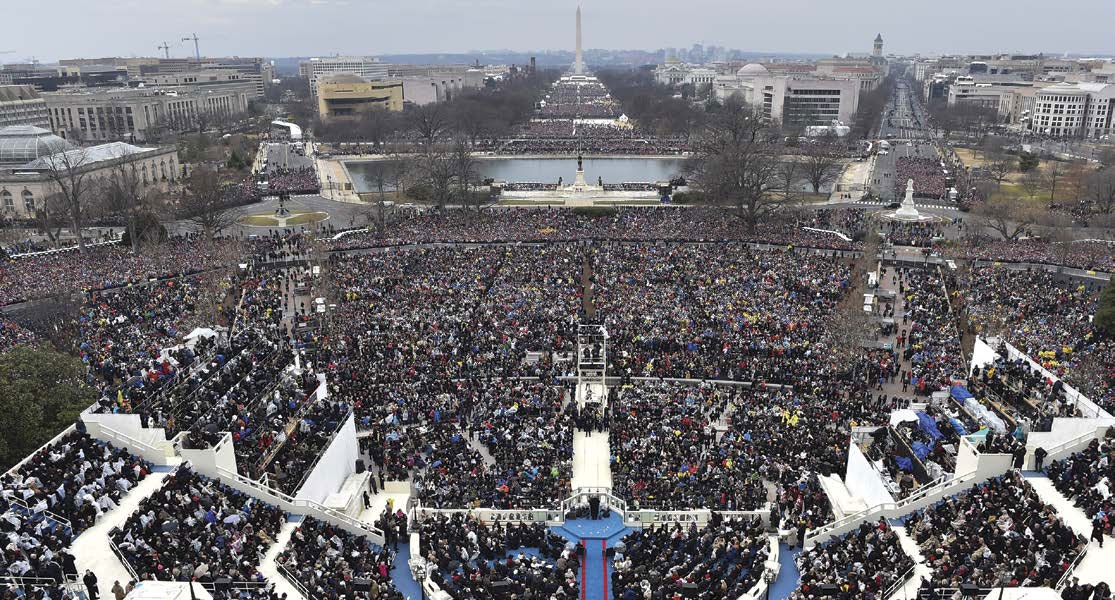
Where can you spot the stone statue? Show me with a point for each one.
(579, 165)
(908, 211)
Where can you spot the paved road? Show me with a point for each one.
(904, 125)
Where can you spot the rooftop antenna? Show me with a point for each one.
(165, 48)
(197, 53)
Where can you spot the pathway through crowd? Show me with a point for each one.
(598, 536)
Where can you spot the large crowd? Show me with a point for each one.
(997, 534)
(326, 562)
(200, 529)
(1087, 478)
(103, 267)
(928, 176)
(449, 359)
(1047, 317)
(725, 559)
(863, 564)
(470, 559)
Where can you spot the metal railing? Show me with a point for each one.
(899, 583)
(1067, 576)
(293, 580)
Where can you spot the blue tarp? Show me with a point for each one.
(961, 393)
(920, 449)
(958, 426)
(904, 463)
(928, 425)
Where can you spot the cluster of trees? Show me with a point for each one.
(1077, 187)
(41, 393)
(738, 162)
(657, 108)
(971, 119)
(869, 113)
(473, 115)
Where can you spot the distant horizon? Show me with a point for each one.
(286, 28)
(549, 52)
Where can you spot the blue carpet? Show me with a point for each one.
(400, 574)
(163, 468)
(594, 530)
(788, 576)
(595, 574)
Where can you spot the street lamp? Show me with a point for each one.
(769, 577)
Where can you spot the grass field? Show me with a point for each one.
(295, 218)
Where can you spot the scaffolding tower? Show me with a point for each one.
(592, 354)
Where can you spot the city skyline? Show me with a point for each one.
(277, 28)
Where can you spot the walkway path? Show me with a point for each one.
(591, 460)
(1096, 566)
(921, 570)
(91, 549)
(270, 569)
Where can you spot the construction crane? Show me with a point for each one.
(165, 48)
(197, 53)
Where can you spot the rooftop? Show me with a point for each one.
(21, 144)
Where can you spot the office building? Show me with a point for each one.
(29, 154)
(139, 114)
(791, 100)
(344, 96)
(365, 67)
(22, 105)
(1073, 110)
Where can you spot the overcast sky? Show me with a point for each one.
(52, 29)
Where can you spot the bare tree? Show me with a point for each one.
(999, 167)
(466, 173)
(788, 174)
(1101, 190)
(820, 170)
(1030, 183)
(429, 122)
(439, 172)
(71, 179)
(1053, 171)
(734, 165)
(51, 216)
(203, 202)
(1009, 218)
(400, 172)
(126, 193)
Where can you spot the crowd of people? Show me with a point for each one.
(77, 478)
(1087, 478)
(194, 528)
(997, 534)
(625, 224)
(863, 564)
(327, 561)
(470, 559)
(1048, 317)
(928, 176)
(301, 180)
(1081, 254)
(725, 559)
(103, 267)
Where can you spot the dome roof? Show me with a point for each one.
(752, 70)
(21, 144)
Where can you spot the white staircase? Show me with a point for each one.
(921, 570)
(1096, 565)
(91, 549)
(591, 460)
(270, 569)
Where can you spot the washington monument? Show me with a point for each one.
(579, 62)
